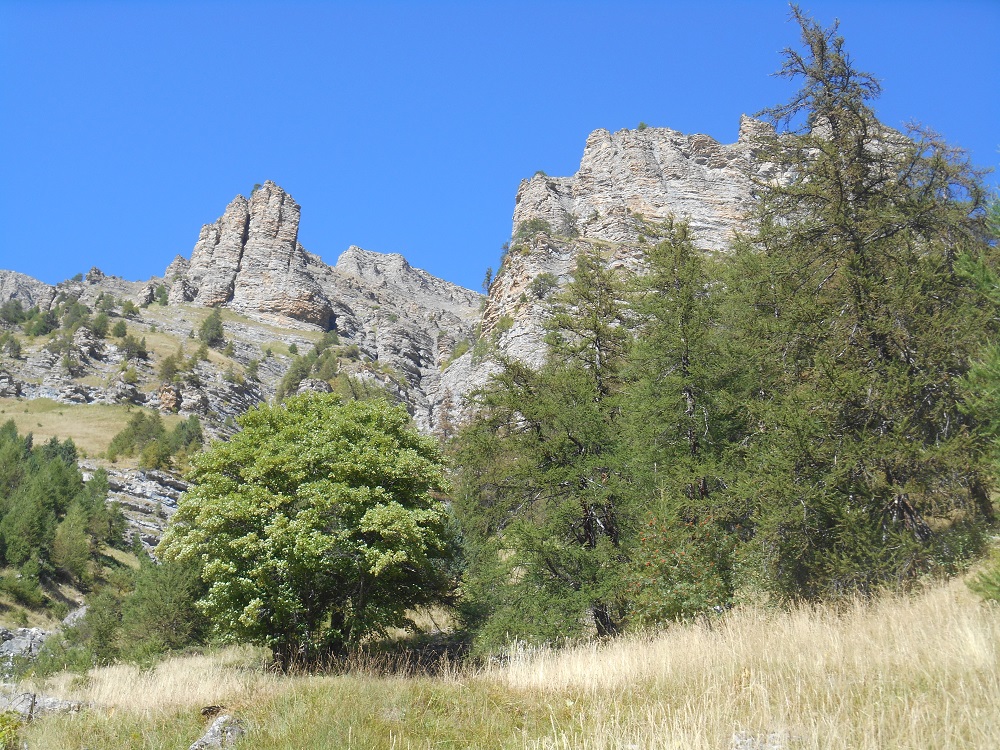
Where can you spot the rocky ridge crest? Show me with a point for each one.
(628, 183)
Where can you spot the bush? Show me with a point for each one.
(986, 583)
(99, 325)
(531, 227)
(543, 285)
(211, 331)
(146, 435)
(133, 348)
(10, 730)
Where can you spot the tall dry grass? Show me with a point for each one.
(904, 672)
(913, 672)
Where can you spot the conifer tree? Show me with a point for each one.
(541, 496)
(858, 327)
(678, 426)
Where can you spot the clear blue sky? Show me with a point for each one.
(402, 127)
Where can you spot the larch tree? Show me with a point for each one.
(540, 495)
(859, 326)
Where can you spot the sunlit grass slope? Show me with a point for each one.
(905, 672)
(91, 426)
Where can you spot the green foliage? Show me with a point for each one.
(681, 425)
(171, 366)
(146, 435)
(10, 730)
(211, 331)
(293, 348)
(11, 345)
(160, 614)
(133, 348)
(129, 309)
(253, 367)
(118, 330)
(315, 526)
(160, 295)
(543, 285)
(12, 312)
(106, 303)
(986, 583)
(323, 363)
(41, 323)
(71, 547)
(503, 324)
(528, 229)
(858, 326)
(642, 126)
(100, 325)
(50, 520)
(541, 501)
(680, 569)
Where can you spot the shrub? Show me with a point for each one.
(531, 227)
(211, 331)
(543, 285)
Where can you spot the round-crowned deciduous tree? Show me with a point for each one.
(317, 525)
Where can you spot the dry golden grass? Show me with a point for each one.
(904, 672)
(188, 682)
(91, 426)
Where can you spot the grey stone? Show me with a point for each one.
(9, 387)
(225, 731)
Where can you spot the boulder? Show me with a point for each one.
(225, 731)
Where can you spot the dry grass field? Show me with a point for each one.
(919, 671)
(91, 426)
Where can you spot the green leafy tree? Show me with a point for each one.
(861, 327)
(315, 526)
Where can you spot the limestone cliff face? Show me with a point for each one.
(627, 183)
(26, 290)
(400, 317)
(250, 260)
(650, 174)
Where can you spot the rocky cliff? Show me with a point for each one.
(26, 290)
(628, 182)
(250, 260)
(398, 327)
(402, 318)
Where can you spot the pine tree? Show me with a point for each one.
(678, 427)
(860, 326)
(541, 497)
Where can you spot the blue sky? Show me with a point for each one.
(402, 126)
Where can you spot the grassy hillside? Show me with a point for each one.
(906, 672)
(90, 426)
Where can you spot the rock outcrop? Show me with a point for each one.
(225, 731)
(631, 177)
(403, 319)
(628, 183)
(26, 290)
(250, 259)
